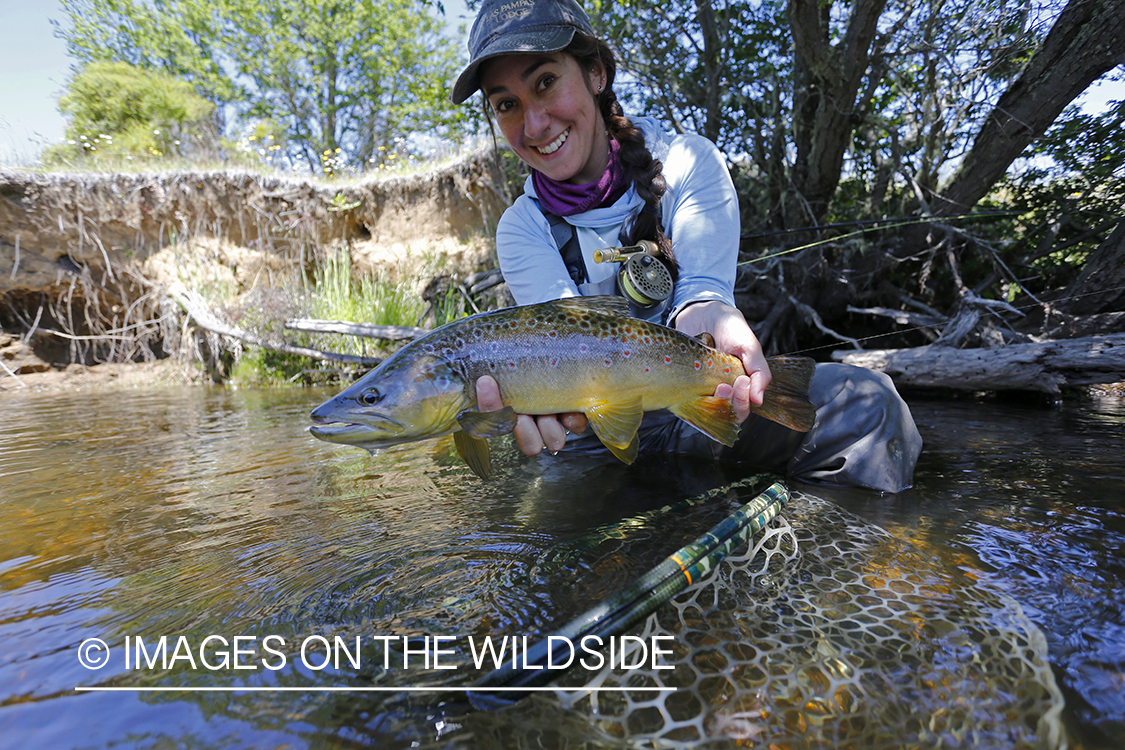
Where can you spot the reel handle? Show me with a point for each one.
(621, 254)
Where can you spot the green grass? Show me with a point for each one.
(337, 295)
(334, 292)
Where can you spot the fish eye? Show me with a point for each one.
(371, 397)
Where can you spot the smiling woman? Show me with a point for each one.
(600, 179)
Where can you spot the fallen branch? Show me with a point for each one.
(812, 316)
(903, 317)
(195, 307)
(1045, 367)
(369, 330)
(13, 375)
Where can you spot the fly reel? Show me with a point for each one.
(643, 279)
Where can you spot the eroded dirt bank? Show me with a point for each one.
(86, 259)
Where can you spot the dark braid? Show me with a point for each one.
(648, 178)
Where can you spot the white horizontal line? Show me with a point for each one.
(435, 689)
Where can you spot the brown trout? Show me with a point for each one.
(582, 354)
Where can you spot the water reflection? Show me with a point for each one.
(1032, 500)
(200, 512)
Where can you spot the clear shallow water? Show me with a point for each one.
(212, 513)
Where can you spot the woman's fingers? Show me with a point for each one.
(532, 434)
(488, 394)
(553, 433)
(528, 438)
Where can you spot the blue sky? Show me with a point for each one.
(34, 68)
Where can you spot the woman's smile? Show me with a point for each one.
(554, 145)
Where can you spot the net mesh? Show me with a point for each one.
(828, 631)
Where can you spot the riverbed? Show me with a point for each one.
(313, 596)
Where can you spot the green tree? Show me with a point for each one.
(889, 94)
(347, 81)
(117, 107)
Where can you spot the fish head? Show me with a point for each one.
(405, 399)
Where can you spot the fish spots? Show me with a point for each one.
(511, 365)
(648, 369)
(710, 363)
(683, 348)
(647, 340)
(697, 365)
(553, 333)
(583, 348)
(608, 362)
(726, 370)
(554, 362)
(514, 324)
(667, 359)
(627, 353)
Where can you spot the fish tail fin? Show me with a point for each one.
(787, 396)
(713, 416)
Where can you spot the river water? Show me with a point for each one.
(212, 519)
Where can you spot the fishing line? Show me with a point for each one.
(894, 224)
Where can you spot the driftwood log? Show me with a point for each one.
(368, 330)
(1044, 367)
(196, 308)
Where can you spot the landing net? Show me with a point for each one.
(826, 631)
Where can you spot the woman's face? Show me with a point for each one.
(547, 111)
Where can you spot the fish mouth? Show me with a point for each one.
(382, 430)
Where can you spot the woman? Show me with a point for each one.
(600, 179)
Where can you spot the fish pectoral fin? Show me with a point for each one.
(713, 416)
(474, 452)
(786, 399)
(616, 424)
(487, 424)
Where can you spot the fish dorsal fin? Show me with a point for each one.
(487, 424)
(608, 304)
(616, 423)
(474, 452)
(713, 416)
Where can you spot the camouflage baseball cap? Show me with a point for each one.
(505, 27)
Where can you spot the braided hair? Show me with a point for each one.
(646, 172)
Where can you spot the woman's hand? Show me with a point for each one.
(732, 335)
(533, 434)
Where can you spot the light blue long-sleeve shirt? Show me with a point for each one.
(699, 213)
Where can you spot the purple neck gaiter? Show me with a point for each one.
(565, 199)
